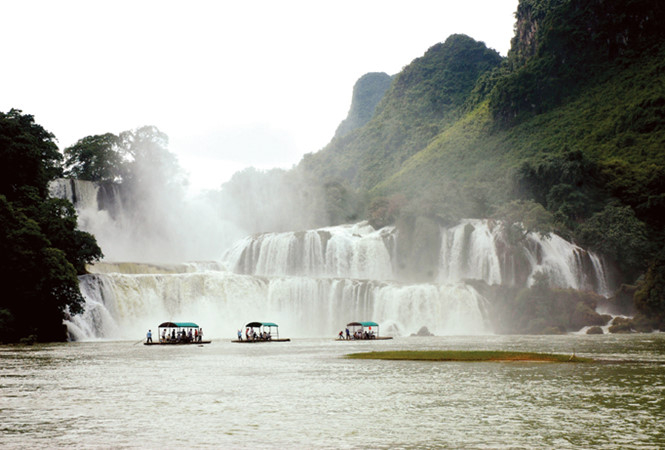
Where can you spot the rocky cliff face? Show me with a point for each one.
(367, 93)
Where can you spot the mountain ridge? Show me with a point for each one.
(566, 133)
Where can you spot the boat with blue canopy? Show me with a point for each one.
(177, 333)
(361, 331)
(260, 332)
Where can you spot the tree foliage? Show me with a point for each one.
(650, 296)
(41, 250)
(618, 234)
(94, 158)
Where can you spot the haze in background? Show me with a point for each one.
(233, 84)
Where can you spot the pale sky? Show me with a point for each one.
(233, 84)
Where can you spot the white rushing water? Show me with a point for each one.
(475, 249)
(125, 305)
(310, 282)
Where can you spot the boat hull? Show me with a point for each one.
(380, 338)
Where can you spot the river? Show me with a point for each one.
(304, 393)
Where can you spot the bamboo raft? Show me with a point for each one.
(176, 343)
(258, 341)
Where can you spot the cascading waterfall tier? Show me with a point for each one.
(346, 251)
(476, 249)
(314, 282)
(125, 305)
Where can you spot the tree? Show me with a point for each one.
(650, 295)
(41, 251)
(28, 155)
(41, 284)
(94, 158)
(521, 217)
(149, 163)
(618, 234)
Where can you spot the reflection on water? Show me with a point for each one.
(303, 393)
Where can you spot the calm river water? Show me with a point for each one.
(304, 394)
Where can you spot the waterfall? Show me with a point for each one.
(310, 282)
(475, 249)
(125, 305)
(468, 250)
(347, 251)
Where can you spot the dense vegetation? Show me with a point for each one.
(41, 249)
(565, 134)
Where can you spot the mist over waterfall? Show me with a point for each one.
(310, 282)
(158, 227)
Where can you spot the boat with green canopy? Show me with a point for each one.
(361, 331)
(260, 332)
(176, 333)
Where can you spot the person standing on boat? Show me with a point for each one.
(149, 336)
(239, 335)
(348, 336)
(200, 334)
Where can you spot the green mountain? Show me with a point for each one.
(423, 100)
(367, 93)
(566, 133)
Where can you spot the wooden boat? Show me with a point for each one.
(364, 330)
(261, 332)
(177, 333)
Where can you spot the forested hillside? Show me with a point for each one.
(566, 133)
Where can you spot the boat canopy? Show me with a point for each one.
(261, 324)
(178, 325)
(362, 324)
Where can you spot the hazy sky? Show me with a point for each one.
(233, 84)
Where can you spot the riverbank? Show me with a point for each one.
(469, 356)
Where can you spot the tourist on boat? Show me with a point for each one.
(200, 334)
(247, 333)
(190, 336)
(340, 335)
(239, 335)
(348, 335)
(149, 336)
